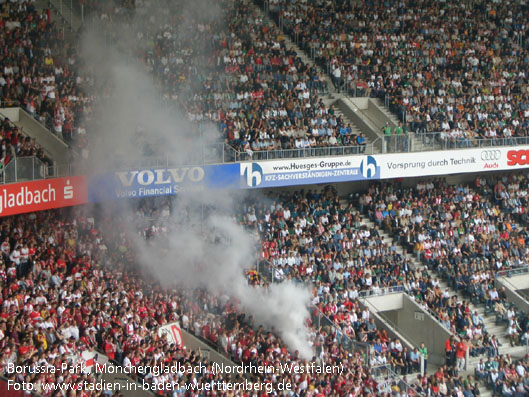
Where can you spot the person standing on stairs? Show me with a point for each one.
(423, 350)
(450, 351)
(337, 77)
(461, 351)
(387, 136)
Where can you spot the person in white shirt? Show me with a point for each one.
(365, 314)
(512, 333)
(6, 247)
(15, 256)
(520, 369)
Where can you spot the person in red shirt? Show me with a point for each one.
(450, 351)
(461, 350)
(110, 350)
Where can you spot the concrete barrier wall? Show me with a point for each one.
(385, 303)
(11, 113)
(379, 117)
(193, 343)
(511, 291)
(351, 111)
(54, 146)
(423, 328)
(410, 323)
(381, 323)
(361, 102)
(517, 282)
(384, 308)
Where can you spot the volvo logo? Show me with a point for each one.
(490, 155)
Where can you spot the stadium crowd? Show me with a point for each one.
(73, 279)
(504, 376)
(236, 72)
(66, 282)
(40, 71)
(69, 285)
(452, 67)
(464, 233)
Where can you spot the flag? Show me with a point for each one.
(4, 161)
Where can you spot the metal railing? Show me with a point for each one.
(403, 143)
(214, 153)
(512, 272)
(386, 376)
(221, 153)
(369, 148)
(24, 169)
(443, 141)
(60, 10)
(320, 320)
(382, 291)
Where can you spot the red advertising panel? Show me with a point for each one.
(45, 194)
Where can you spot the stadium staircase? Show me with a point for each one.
(64, 14)
(54, 147)
(333, 96)
(489, 317)
(419, 142)
(391, 116)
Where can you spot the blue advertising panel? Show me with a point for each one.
(161, 181)
(308, 171)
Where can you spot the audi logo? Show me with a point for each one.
(490, 155)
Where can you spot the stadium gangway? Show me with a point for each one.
(320, 320)
(386, 377)
(393, 327)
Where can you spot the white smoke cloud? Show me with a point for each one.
(206, 247)
(212, 253)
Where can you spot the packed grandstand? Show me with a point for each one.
(126, 282)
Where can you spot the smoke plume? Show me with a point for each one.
(205, 246)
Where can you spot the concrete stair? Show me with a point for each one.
(64, 15)
(389, 240)
(385, 110)
(308, 61)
